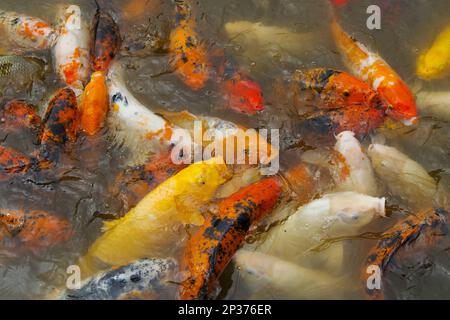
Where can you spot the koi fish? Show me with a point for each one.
(136, 8)
(188, 54)
(18, 73)
(336, 101)
(435, 62)
(404, 232)
(33, 230)
(94, 104)
(14, 163)
(134, 183)
(143, 279)
(333, 215)
(107, 41)
(60, 123)
(301, 181)
(29, 33)
(149, 229)
(18, 115)
(131, 123)
(373, 69)
(268, 276)
(212, 247)
(71, 51)
(403, 176)
(353, 168)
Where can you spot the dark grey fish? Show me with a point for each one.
(19, 73)
(143, 279)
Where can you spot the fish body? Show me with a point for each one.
(131, 123)
(142, 279)
(404, 232)
(268, 276)
(107, 41)
(72, 50)
(150, 228)
(435, 103)
(33, 230)
(18, 72)
(29, 33)
(435, 62)
(333, 215)
(94, 104)
(18, 115)
(212, 247)
(373, 69)
(14, 163)
(188, 54)
(403, 176)
(354, 170)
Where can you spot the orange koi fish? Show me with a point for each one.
(373, 69)
(60, 122)
(211, 248)
(27, 32)
(32, 231)
(137, 8)
(403, 232)
(107, 41)
(94, 104)
(188, 55)
(19, 115)
(13, 163)
(133, 184)
(341, 102)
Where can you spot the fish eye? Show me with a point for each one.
(349, 217)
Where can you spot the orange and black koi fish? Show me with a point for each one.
(94, 104)
(19, 115)
(340, 102)
(188, 54)
(33, 230)
(133, 184)
(13, 163)
(211, 248)
(60, 122)
(107, 41)
(403, 232)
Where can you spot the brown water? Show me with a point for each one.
(78, 190)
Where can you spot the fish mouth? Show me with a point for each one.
(410, 121)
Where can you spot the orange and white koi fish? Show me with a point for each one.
(188, 54)
(212, 247)
(72, 50)
(33, 230)
(131, 123)
(94, 104)
(27, 32)
(373, 69)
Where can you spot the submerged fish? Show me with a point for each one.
(333, 215)
(212, 247)
(150, 228)
(18, 115)
(13, 163)
(27, 32)
(131, 123)
(268, 276)
(107, 41)
(373, 69)
(71, 51)
(402, 175)
(145, 279)
(188, 54)
(404, 232)
(434, 103)
(33, 230)
(353, 169)
(435, 62)
(94, 104)
(19, 73)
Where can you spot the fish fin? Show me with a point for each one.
(109, 225)
(13, 221)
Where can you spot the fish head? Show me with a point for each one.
(354, 219)
(431, 65)
(401, 104)
(244, 96)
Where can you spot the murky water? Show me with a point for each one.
(79, 188)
